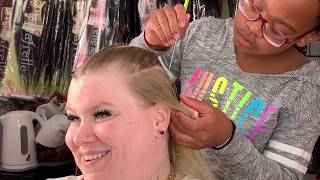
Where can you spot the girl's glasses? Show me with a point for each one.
(269, 32)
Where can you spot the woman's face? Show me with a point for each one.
(291, 17)
(111, 134)
(6, 14)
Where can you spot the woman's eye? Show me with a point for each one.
(102, 114)
(73, 118)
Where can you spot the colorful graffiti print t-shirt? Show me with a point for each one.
(277, 115)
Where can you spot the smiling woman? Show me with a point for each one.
(120, 104)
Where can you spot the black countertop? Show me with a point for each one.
(41, 173)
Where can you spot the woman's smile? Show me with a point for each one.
(89, 159)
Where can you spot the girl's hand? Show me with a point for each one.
(211, 129)
(166, 26)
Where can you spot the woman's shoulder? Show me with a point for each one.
(68, 178)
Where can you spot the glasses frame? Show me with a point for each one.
(285, 39)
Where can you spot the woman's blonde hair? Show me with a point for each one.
(149, 81)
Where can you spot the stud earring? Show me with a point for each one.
(160, 132)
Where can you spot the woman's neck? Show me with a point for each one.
(272, 64)
(157, 166)
(162, 171)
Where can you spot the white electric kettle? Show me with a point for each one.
(18, 140)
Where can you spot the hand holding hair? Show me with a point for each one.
(165, 26)
(211, 129)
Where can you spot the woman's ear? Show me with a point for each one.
(313, 36)
(161, 119)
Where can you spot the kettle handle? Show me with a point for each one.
(39, 118)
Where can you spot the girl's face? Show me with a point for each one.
(112, 132)
(291, 17)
